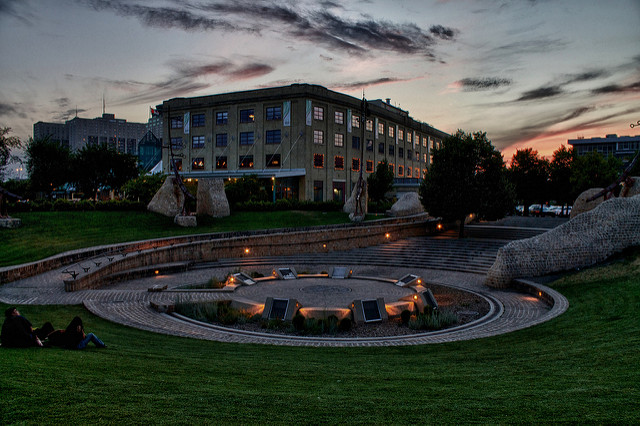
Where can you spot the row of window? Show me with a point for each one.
(222, 139)
(244, 162)
(338, 164)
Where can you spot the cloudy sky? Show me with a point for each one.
(531, 73)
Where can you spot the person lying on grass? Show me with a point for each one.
(17, 331)
(73, 337)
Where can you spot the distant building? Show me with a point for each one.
(149, 151)
(118, 134)
(310, 140)
(618, 146)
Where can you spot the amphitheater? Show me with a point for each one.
(115, 282)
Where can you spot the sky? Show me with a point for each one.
(529, 73)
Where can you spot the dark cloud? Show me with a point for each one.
(484, 83)
(317, 26)
(67, 115)
(616, 88)
(586, 76)
(541, 93)
(366, 83)
(12, 110)
(527, 47)
(62, 102)
(16, 9)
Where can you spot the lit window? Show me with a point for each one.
(425, 157)
(221, 139)
(247, 116)
(274, 113)
(197, 120)
(409, 135)
(339, 117)
(391, 131)
(318, 161)
(246, 162)
(318, 113)
(400, 171)
(318, 137)
(369, 125)
(197, 142)
(355, 164)
(177, 122)
(424, 142)
(197, 164)
(176, 143)
(273, 137)
(222, 117)
(417, 156)
(355, 121)
(416, 173)
(369, 166)
(400, 134)
(381, 129)
(338, 139)
(338, 162)
(273, 160)
(246, 138)
(221, 162)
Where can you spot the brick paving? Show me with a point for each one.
(439, 260)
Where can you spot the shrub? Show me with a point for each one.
(344, 324)
(436, 320)
(298, 322)
(405, 316)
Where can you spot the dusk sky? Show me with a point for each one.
(531, 73)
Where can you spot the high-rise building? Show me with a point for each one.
(311, 141)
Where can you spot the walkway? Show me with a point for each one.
(439, 260)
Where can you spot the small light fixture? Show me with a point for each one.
(387, 235)
(156, 272)
(246, 251)
(439, 227)
(324, 246)
(419, 281)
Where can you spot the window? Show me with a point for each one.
(339, 117)
(416, 174)
(381, 129)
(121, 144)
(417, 156)
(246, 138)
(222, 117)
(408, 171)
(369, 166)
(355, 142)
(221, 139)
(272, 160)
(424, 142)
(391, 167)
(178, 165)
(246, 162)
(318, 161)
(197, 142)
(274, 113)
(338, 162)
(400, 152)
(400, 134)
(176, 143)
(392, 150)
(338, 191)
(318, 190)
(247, 116)
(355, 121)
(370, 145)
(391, 131)
(400, 171)
(409, 135)
(177, 122)
(381, 148)
(425, 157)
(197, 120)
(318, 113)
(221, 162)
(338, 139)
(273, 137)
(369, 125)
(197, 164)
(409, 155)
(318, 137)
(355, 164)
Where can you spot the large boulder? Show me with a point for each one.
(169, 199)
(408, 204)
(350, 205)
(634, 189)
(212, 200)
(583, 241)
(581, 205)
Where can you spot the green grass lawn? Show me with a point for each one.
(583, 366)
(44, 234)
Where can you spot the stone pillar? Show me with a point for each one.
(169, 199)
(212, 200)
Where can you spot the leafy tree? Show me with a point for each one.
(560, 175)
(48, 164)
(7, 143)
(529, 174)
(247, 188)
(144, 187)
(594, 171)
(380, 182)
(468, 175)
(97, 166)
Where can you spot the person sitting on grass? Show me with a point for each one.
(74, 337)
(17, 331)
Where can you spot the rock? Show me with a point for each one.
(212, 200)
(585, 240)
(350, 205)
(168, 200)
(408, 204)
(633, 190)
(185, 221)
(581, 204)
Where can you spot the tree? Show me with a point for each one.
(7, 143)
(467, 176)
(529, 174)
(144, 187)
(380, 182)
(48, 164)
(560, 175)
(594, 171)
(96, 167)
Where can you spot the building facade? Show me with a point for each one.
(619, 146)
(310, 141)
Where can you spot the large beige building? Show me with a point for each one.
(310, 140)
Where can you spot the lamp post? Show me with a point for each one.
(273, 186)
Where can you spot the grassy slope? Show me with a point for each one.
(582, 366)
(49, 233)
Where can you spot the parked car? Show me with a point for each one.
(535, 210)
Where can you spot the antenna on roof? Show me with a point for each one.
(103, 106)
